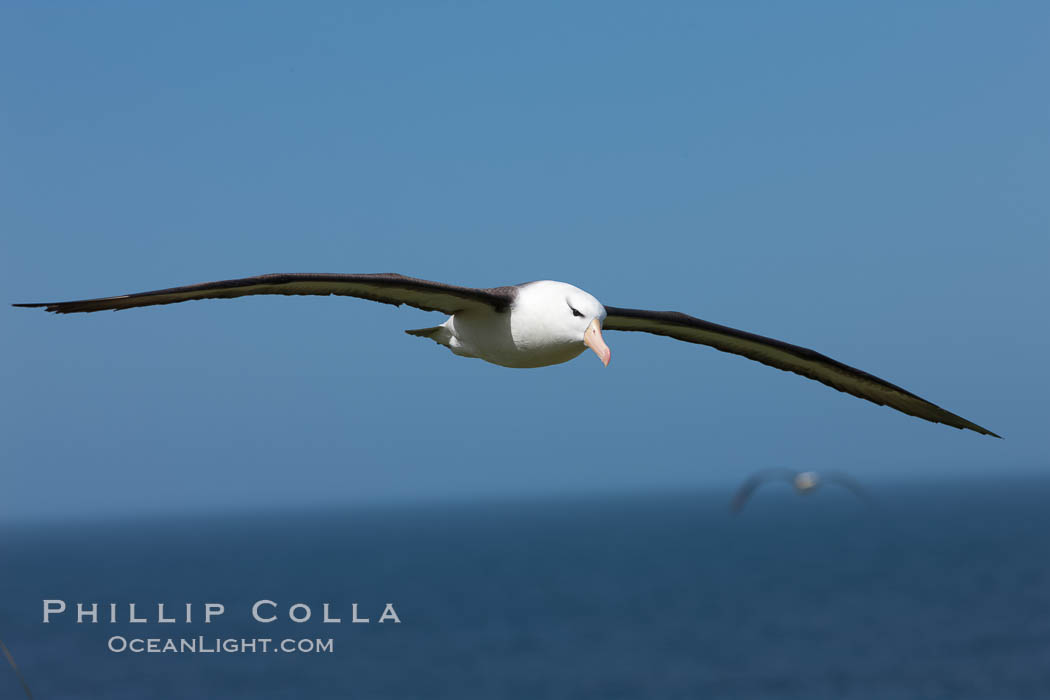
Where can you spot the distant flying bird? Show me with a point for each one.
(538, 324)
(804, 483)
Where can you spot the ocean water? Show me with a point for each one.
(939, 591)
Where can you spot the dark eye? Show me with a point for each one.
(576, 313)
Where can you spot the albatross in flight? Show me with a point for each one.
(804, 483)
(537, 324)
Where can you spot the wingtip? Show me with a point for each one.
(978, 429)
(955, 421)
(46, 306)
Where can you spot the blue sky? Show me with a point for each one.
(869, 181)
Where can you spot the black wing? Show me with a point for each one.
(754, 481)
(785, 356)
(387, 288)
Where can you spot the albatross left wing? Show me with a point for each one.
(791, 358)
(386, 288)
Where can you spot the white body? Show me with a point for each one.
(540, 328)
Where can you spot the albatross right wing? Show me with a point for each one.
(791, 358)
